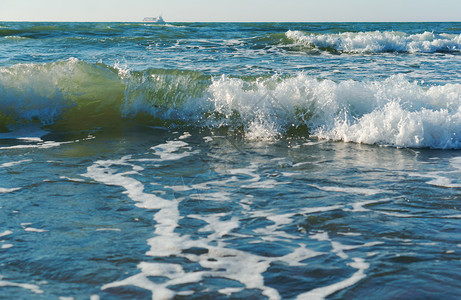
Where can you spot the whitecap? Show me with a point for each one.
(5, 233)
(32, 287)
(14, 163)
(394, 112)
(378, 42)
(6, 190)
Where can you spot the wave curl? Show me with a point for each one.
(75, 95)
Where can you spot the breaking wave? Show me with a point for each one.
(376, 42)
(76, 95)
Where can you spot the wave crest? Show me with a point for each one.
(393, 112)
(75, 95)
(377, 42)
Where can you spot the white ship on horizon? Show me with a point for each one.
(158, 19)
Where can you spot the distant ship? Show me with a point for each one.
(158, 19)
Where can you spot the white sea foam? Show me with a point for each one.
(166, 241)
(265, 184)
(250, 171)
(14, 163)
(217, 196)
(311, 210)
(274, 232)
(223, 262)
(323, 292)
(359, 206)
(453, 216)
(350, 233)
(376, 41)
(218, 260)
(174, 150)
(357, 263)
(349, 190)
(32, 287)
(448, 178)
(394, 112)
(159, 291)
(5, 190)
(44, 145)
(229, 291)
(395, 214)
(5, 233)
(31, 229)
(72, 179)
(102, 171)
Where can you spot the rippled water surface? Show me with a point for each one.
(212, 161)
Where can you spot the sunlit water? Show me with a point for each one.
(212, 161)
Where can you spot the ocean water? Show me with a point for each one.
(230, 160)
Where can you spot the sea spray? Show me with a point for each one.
(77, 95)
(229, 160)
(376, 42)
(392, 112)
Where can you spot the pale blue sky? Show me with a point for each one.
(231, 10)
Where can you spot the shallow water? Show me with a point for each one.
(230, 160)
(201, 215)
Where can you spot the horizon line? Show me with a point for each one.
(94, 21)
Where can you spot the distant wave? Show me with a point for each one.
(76, 95)
(376, 42)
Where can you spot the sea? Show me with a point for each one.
(230, 160)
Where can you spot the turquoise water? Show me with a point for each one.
(230, 160)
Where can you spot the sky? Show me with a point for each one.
(232, 10)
